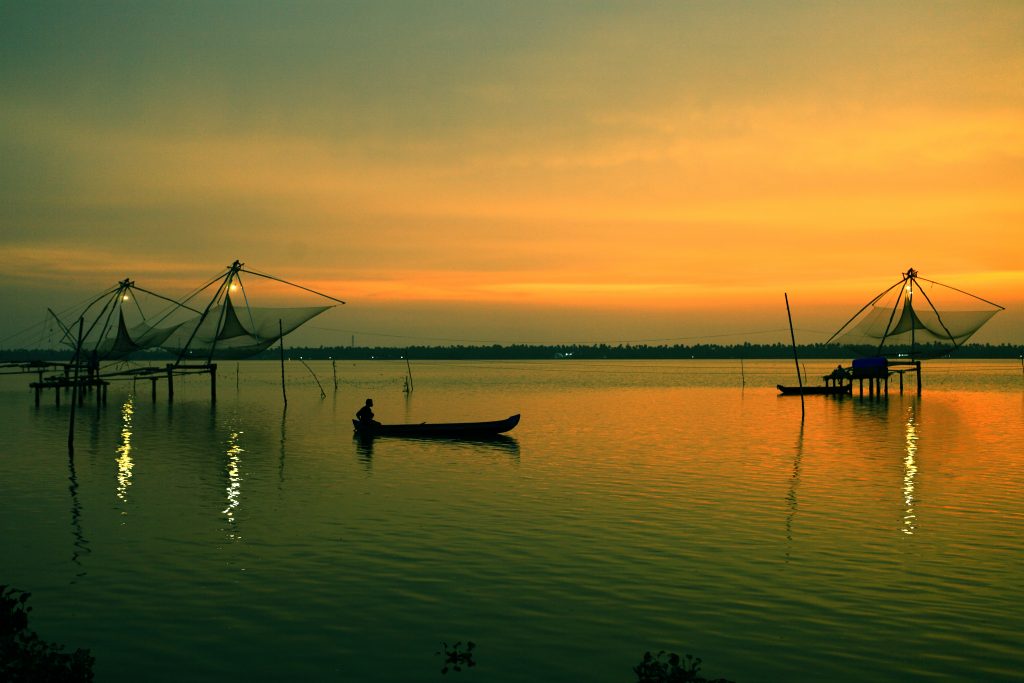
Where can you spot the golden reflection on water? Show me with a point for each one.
(234, 489)
(910, 473)
(124, 451)
(794, 482)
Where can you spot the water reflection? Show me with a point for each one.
(124, 452)
(910, 473)
(280, 467)
(500, 443)
(794, 482)
(79, 546)
(234, 488)
(364, 450)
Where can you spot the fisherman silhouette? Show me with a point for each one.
(365, 414)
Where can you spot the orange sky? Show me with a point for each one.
(518, 172)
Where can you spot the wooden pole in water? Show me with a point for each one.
(280, 328)
(409, 370)
(796, 360)
(74, 391)
(743, 375)
(334, 370)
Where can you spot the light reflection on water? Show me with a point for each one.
(909, 473)
(234, 488)
(124, 452)
(636, 507)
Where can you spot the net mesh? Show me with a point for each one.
(126, 319)
(918, 312)
(226, 332)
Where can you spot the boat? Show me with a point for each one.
(826, 390)
(448, 430)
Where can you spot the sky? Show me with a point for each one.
(517, 172)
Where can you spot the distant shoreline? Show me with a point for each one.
(572, 351)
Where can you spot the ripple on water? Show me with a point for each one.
(629, 511)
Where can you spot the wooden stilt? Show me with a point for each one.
(213, 383)
(75, 391)
(170, 381)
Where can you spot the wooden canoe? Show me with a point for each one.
(448, 430)
(807, 391)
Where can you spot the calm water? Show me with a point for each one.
(638, 506)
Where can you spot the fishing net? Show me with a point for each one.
(916, 312)
(227, 332)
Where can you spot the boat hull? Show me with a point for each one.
(449, 430)
(808, 391)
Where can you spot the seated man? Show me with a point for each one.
(839, 374)
(365, 414)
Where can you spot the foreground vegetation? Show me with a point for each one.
(26, 658)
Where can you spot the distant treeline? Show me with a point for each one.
(592, 352)
(634, 351)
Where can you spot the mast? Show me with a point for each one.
(911, 274)
(232, 273)
(206, 312)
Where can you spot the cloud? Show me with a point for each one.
(552, 155)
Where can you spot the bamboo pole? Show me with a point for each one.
(796, 360)
(280, 328)
(323, 394)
